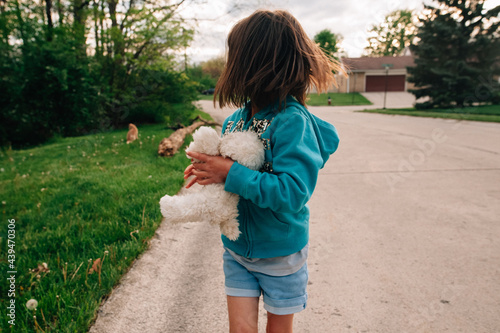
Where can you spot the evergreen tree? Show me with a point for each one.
(457, 56)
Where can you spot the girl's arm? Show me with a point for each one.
(300, 149)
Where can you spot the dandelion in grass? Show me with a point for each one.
(2, 170)
(4, 203)
(32, 304)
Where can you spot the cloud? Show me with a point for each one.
(351, 19)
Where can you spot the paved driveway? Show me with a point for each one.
(404, 238)
(392, 99)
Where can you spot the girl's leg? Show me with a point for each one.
(243, 314)
(279, 323)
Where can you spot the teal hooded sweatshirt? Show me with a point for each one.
(273, 211)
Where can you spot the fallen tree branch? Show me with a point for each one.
(169, 146)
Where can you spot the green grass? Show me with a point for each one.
(74, 200)
(202, 97)
(489, 113)
(337, 99)
(322, 99)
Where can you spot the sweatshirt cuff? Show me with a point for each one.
(235, 180)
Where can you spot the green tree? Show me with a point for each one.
(393, 35)
(207, 73)
(329, 42)
(69, 67)
(213, 67)
(457, 56)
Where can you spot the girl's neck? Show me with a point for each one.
(255, 110)
(263, 101)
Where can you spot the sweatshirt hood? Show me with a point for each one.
(326, 133)
(328, 139)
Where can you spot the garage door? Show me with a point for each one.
(378, 82)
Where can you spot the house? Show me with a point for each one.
(375, 74)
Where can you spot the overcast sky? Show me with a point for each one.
(351, 19)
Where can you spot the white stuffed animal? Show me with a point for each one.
(212, 203)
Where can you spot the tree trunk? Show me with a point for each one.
(98, 48)
(50, 25)
(79, 20)
(118, 50)
(169, 146)
(20, 23)
(60, 12)
(116, 33)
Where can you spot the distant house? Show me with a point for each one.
(368, 74)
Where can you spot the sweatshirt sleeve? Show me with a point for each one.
(295, 165)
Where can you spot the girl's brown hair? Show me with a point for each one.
(269, 57)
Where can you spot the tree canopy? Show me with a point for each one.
(457, 56)
(329, 42)
(392, 36)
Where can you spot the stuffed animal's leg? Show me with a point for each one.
(226, 215)
(181, 209)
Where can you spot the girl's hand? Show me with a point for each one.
(211, 169)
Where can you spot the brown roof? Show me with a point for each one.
(372, 63)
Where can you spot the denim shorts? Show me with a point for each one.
(282, 295)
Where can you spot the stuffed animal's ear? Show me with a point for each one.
(205, 140)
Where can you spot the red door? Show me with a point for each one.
(378, 83)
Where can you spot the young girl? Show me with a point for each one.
(271, 64)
